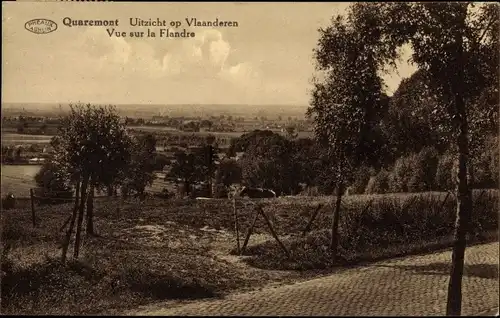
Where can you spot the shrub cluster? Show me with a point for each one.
(428, 170)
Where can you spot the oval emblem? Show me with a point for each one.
(40, 26)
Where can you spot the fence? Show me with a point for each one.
(39, 196)
(319, 208)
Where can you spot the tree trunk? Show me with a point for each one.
(464, 195)
(110, 191)
(471, 175)
(187, 187)
(81, 210)
(126, 192)
(90, 208)
(454, 304)
(69, 232)
(335, 221)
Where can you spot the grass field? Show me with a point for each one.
(170, 249)
(18, 179)
(22, 139)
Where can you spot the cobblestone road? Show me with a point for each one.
(415, 285)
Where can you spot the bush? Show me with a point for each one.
(402, 173)
(484, 165)
(445, 180)
(52, 178)
(310, 191)
(360, 180)
(424, 167)
(378, 183)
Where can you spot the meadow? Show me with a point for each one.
(164, 250)
(22, 139)
(18, 179)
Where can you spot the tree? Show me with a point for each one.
(458, 49)
(409, 124)
(228, 173)
(10, 154)
(206, 124)
(139, 172)
(268, 163)
(290, 132)
(308, 162)
(347, 99)
(242, 143)
(188, 168)
(51, 178)
(92, 147)
(18, 153)
(209, 151)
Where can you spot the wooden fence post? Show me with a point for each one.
(65, 223)
(32, 199)
(313, 217)
(444, 201)
(236, 225)
(249, 232)
(480, 195)
(273, 233)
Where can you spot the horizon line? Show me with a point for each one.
(154, 104)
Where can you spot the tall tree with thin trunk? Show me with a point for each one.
(90, 206)
(92, 147)
(139, 172)
(456, 44)
(348, 100)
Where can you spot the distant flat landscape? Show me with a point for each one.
(14, 138)
(149, 110)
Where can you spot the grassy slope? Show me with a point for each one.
(160, 250)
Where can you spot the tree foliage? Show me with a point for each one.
(139, 172)
(228, 172)
(92, 147)
(51, 178)
(187, 167)
(242, 143)
(348, 98)
(456, 48)
(268, 163)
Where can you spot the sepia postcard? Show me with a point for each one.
(250, 158)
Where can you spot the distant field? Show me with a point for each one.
(11, 138)
(14, 138)
(305, 134)
(187, 133)
(18, 179)
(153, 128)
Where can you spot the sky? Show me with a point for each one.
(267, 59)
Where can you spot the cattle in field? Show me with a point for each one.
(257, 193)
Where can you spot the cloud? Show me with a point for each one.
(103, 49)
(202, 57)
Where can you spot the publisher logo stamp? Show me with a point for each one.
(40, 26)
